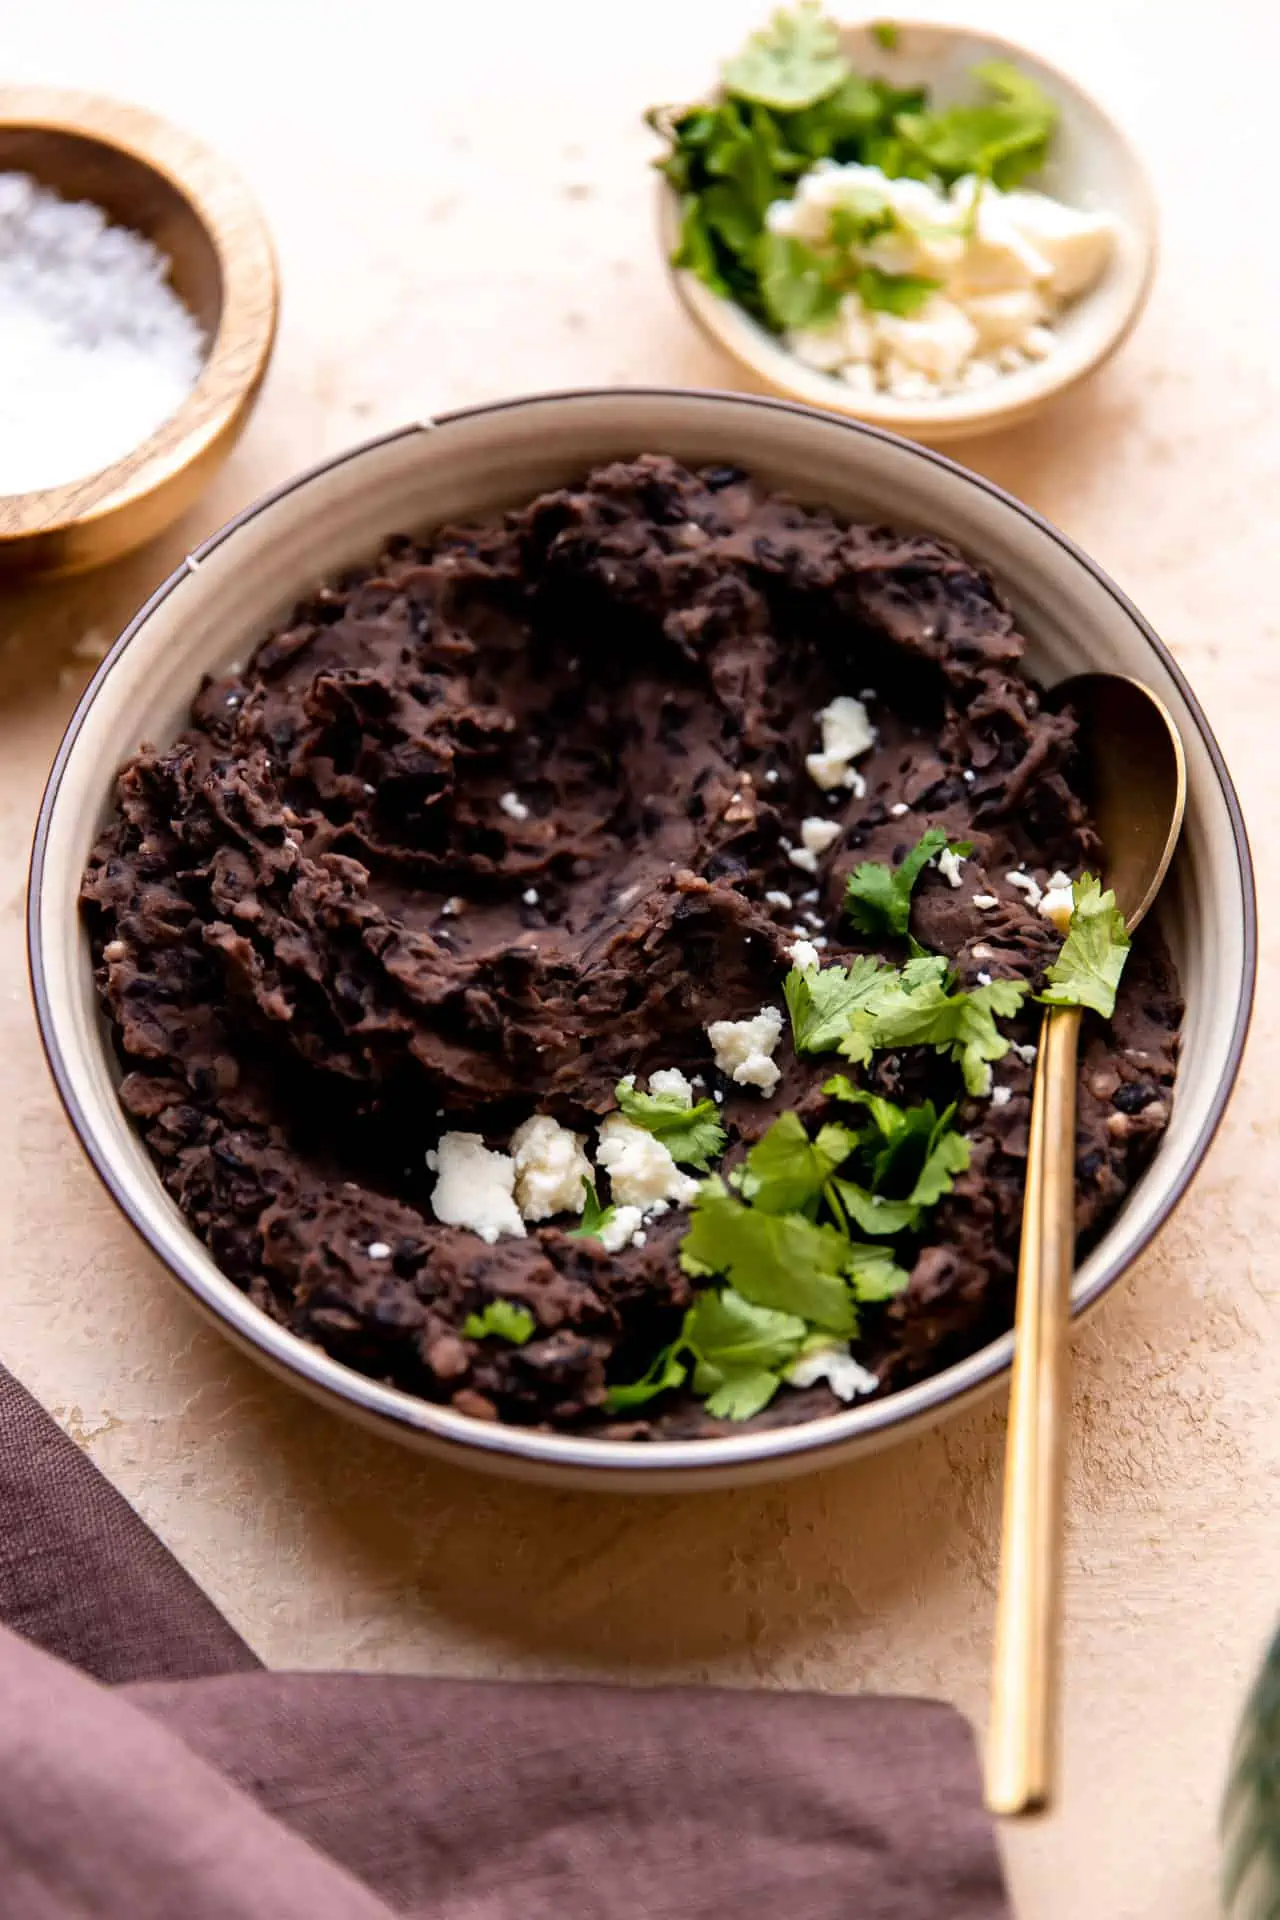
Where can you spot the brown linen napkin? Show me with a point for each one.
(198, 1785)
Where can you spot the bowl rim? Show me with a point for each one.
(237, 354)
(584, 1458)
(717, 317)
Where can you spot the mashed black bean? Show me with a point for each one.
(496, 821)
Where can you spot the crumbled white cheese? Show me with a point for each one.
(819, 834)
(743, 1049)
(1058, 902)
(772, 775)
(984, 979)
(968, 776)
(670, 1080)
(640, 1169)
(454, 904)
(986, 901)
(378, 1250)
(898, 808)
(804, 858)
(530, 896)
(1005, 264)
(1025, 883)
(1026, 1053)
(513, 806)
(949, 865)
(803, 953)
(811, 898)
(845, 1376)
(846, 733)
(621, 1231)
(779, 899)
(550, 1168)
(1001, 1096)
(475, 1187)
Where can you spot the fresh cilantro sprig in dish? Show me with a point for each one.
(790, 99)
(501, 1320)
(1087, 971)
(777, 1236)
(868, 1007)
(878, 898)
(595, 1217)
(690, 1131)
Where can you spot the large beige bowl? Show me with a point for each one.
(247, 577)
(1092, 164)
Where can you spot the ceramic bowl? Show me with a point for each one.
(246, 579)
(173, 190)
(1092, 164)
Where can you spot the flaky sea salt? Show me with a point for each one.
(96, 349)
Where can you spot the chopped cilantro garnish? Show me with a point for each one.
(878, 898)
(822, 1002)
(886, 34)
(1001, 140)
(691, 1134)
(1087, 971)
(737, 1351)
(927, 1014)
(874, 1274)
(501, 1320)
(595, 1218)
(793, 62)
(900, 293)
(784, 1261)
(667, 1371)
(785, 1172)
(908, 1157)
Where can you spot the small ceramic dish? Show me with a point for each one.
(1091, 164)
(184, 198)
(247, 578)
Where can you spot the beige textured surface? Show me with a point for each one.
(461, 206)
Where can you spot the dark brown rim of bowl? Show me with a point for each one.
(697, 1457)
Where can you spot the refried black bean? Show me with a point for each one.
(311, 939)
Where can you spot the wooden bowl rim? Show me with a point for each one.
(241, 346)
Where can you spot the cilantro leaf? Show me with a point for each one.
(595, 1218)
(793, 62)
(503, 1320)
(1087, 970)
(667, 1371)
(874, 1274)
(926, 1014)
(774, 1260)
(821, 1003)
(873, 1212)
(696, 249)
(737, 1351)
(900, 293)
(798, 285)
(1002, 140)
(878, 898)
(729, 1333)
(740, 1395)
(785, 1172)
(886, 34)
(911, 1155)
(691, 1134)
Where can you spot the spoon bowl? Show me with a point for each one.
(1135, 776)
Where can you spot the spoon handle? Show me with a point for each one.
(1020, 1748)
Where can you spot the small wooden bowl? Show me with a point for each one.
(184, 198)
(1091, 163)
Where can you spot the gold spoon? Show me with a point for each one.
(1136, 782)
